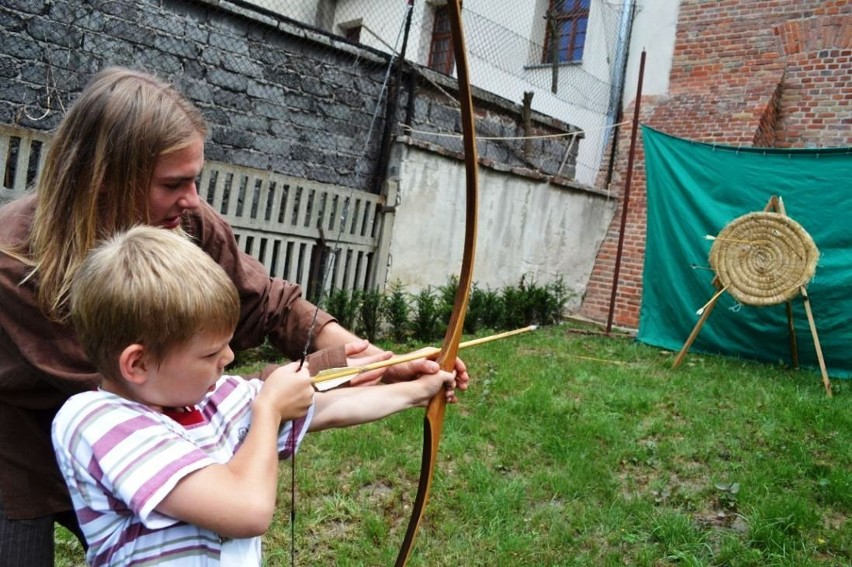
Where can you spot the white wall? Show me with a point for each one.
(381, 19)
(654, 31)
(503, 61)
(525, 227)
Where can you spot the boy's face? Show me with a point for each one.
(188, 373)
(173, 190)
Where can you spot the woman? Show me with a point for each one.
(128, 151)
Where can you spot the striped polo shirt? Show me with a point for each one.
(120, 459)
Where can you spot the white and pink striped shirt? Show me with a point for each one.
(120, 459)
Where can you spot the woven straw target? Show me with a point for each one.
(763, 258)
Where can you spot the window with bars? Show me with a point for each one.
(441, 57)
(567, 23)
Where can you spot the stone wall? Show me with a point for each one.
(258, 85)
(290, 99)
(280, 96)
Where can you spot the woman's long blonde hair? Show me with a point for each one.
(98, 171)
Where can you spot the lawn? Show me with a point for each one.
(574, 448)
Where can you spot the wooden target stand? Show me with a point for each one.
(764, 258)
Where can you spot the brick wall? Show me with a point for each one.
(772, 73)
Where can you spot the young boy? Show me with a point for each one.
(169, 462)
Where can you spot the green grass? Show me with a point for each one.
(573, 448)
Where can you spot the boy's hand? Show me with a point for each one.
(288, 391)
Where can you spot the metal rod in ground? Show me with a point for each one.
(624, 206)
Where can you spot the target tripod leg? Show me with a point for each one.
(825, 380)
(775, 205)
(707, 310)
(794, 347)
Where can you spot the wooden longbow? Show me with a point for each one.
(434, 420)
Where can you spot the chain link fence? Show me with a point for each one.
(316, 89)
(310, 102)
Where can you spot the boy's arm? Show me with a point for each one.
(237, 499)
(351, 406)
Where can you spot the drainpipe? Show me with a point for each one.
(616, 92)
(380, 172)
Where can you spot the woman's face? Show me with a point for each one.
(173, 190)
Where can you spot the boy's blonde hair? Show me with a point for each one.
(150, 286)
(98, 172)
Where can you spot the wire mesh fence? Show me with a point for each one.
(317, 89)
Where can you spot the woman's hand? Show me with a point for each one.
(361, 353)
(413, 369)
(398, 372)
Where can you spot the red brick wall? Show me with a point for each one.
(774, 73)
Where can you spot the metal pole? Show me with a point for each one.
(624, 206)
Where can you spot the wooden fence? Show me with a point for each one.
(306, 232)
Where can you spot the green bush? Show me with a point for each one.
(514, 303)
(424, 323)
(398, 315)
(343, 304)
(395, 308)
(484, 310)
(447, 299)
(371, 314)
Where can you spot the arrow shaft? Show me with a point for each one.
(335, 373)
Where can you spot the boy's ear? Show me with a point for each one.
(133, 364)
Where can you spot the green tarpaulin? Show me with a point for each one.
(695, 190)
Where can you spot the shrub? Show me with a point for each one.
(371, 314)
(343, 305)
(426, 314)
(395, 308)
(514, 310)
(484, 310)
(424, 323)
(447, 300)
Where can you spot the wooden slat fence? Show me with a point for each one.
(22, 154)
(295, 227)
(291, 224)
